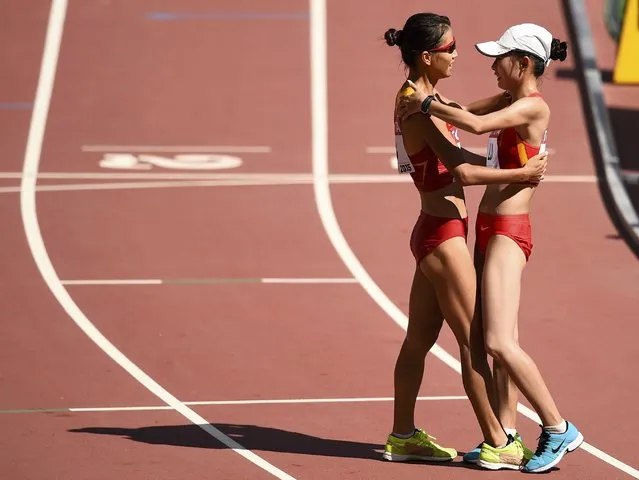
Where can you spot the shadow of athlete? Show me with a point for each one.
(251, 437)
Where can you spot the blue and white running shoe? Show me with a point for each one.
(552, 447)
(473, 455)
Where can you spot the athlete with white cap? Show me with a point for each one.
(526, 37)
(519, 125)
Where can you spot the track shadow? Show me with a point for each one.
(605, 189)
(253, 437)
(625, 122)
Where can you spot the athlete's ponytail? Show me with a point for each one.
(393, 37)
(558, 50)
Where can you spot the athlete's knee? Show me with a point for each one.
(478, 355)
(499, 347)
(467, 368)
(419, 342)
(465, 354)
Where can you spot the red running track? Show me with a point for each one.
(125, 80)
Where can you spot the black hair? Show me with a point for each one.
(422, 32)
(558, 51)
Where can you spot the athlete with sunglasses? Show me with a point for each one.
(444, 282)
(519, 126)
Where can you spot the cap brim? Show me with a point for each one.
(491, 49)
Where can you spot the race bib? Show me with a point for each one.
(492, 153)
(542, 147)
(403, 162)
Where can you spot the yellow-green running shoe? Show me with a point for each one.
(473, 455)
(528, 453)
(418, 447)
(509, 457)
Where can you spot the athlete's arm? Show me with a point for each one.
(489, 105)
(521, 112)
(478, 107)
(441, 98)
(496, 112)
(411, 101)
(465, 165)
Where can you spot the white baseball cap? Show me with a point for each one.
(526, 37)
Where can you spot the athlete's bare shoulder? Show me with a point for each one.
(405, 90)
(447, 101)
(534, 103)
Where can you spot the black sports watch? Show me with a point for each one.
(426, 103)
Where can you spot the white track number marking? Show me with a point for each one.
(185, 161)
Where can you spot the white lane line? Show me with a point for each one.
(253, 180)
(154, 185)
(570, 179)
(175, 149)
(249, 177)
(156, 281)
(153, 175)
(295, 401)
(147, 281)
(280, 401)
(319, 113)
(325, 400)
(391, 150)
(309, 280)
(55, 27)
(122, 409)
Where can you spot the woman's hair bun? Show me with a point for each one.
(558, 50)
(393, 37)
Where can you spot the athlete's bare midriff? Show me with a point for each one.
(448, 202)
(511, 199)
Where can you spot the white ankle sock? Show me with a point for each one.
(559, 428)
(511, 431)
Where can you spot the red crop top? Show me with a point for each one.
(427, 171)
(506, 149)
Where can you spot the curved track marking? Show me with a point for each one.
(319, 112)
(39, 252)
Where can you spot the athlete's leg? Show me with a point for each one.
(451, 271)
(501, 288)
(504, 399)
(425, 321)
(506, 394)
(424, 324)
(505, 391)
(477, 347)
